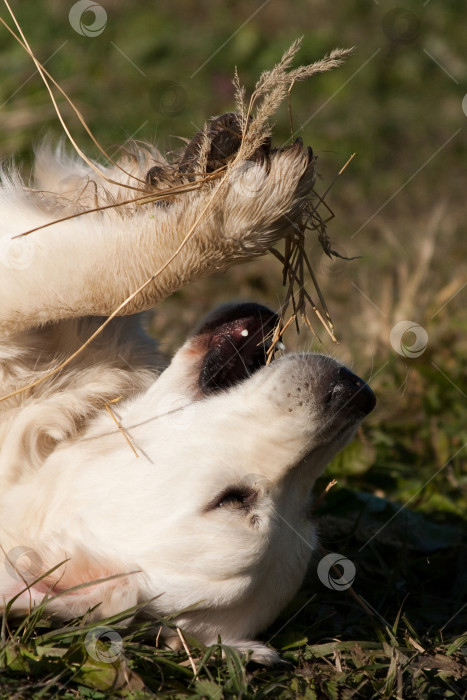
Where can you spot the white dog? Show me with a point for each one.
(198, 500)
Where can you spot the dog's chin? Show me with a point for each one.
(319, 456)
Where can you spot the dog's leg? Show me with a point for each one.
(73, 582)
(91, 264)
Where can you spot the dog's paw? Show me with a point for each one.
(224, 202)
(252, 650)
(258, 652)
(214, 148)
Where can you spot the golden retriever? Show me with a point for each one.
(193, 490)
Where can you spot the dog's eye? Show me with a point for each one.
(234, 497)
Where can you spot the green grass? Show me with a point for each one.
(400, 631)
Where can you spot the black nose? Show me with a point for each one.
(349, 390)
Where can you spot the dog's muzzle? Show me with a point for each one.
(233, 343)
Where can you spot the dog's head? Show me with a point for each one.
(230, 449)
(230, 407)
(214, 512)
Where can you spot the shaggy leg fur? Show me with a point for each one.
(90, 264)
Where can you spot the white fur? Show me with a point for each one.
(71, 488)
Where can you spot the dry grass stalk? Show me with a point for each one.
(119, 425)
(272, 90)
(188, 652)
(294, 263)
(46, 77)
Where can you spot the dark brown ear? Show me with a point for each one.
(235, 338)
(71, 586)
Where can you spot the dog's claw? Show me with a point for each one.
(155, 175)
(189, 162)
(225, 134)
(226, 137)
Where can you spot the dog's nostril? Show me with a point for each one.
(352, 391)
(345, 375)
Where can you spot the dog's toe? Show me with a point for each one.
(225, 135)
(258, 652)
